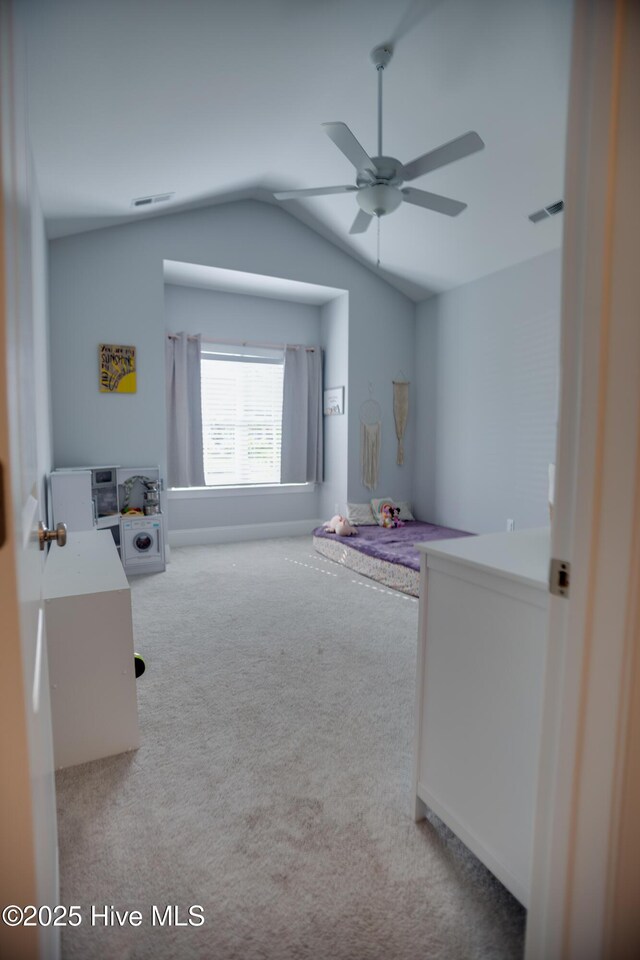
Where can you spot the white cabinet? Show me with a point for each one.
(94, 709)
(481, 653)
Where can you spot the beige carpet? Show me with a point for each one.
(273, 782)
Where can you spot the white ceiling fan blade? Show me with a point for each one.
(456, 149)
(312, 192)
(433, 201)
(361, 222)
(347, 143)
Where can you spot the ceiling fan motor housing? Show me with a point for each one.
(381, 196)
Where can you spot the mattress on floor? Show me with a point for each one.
(386, 555)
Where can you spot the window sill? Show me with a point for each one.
(257, 490)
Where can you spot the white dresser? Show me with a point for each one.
(481, 655)
(94, 708)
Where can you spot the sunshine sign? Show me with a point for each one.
(117, 368)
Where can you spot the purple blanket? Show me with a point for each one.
(395, 544)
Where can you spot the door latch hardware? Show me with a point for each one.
(45, 536)
(559, 577)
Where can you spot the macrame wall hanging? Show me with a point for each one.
(400, 413)
(370, 438)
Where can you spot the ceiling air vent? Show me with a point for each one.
(149, 201)
(549, 211)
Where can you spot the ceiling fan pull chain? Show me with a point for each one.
(378, 263)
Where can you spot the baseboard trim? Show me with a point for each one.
(245, 531)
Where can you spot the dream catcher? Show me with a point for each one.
(400, 413)
(370, 440)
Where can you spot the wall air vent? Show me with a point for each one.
(549, 211)
(149, 201)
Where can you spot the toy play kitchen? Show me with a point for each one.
(126, 500)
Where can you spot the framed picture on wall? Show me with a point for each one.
(117, 368)
(333, 401)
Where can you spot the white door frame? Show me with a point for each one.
(587, 840)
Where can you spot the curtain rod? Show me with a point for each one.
(249, 343)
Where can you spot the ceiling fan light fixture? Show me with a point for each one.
(379, 199)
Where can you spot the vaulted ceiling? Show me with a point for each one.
(217, 99)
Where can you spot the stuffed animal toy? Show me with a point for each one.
(344, 528)
(341, 526)
(391, 516)
(395, 517)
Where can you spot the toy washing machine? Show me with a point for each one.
(142, 544)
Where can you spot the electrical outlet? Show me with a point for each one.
(511, 525)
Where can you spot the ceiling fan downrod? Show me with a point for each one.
(380, 72)
(381, 56)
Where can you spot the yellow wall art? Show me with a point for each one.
(117, 368)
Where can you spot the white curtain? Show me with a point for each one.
(185, 466)
(302, 442)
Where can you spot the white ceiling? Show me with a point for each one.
(220, 99)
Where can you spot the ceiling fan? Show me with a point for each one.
(378, 187)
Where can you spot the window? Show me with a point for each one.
(241, 415)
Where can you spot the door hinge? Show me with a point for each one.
(559, 577)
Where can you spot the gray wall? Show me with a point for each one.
(483, 388)
(233, 316)
(487, 357)
(236, 316)
(107, 285)
(334, 327)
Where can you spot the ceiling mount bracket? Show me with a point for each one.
(381, 56)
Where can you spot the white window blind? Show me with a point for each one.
(241, 416)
